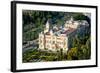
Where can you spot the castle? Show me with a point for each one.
(58, 37)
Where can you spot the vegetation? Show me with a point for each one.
(34, 22)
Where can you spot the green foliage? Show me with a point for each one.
(72, 54)
(81, 41)
(80, 17)
(34, 22)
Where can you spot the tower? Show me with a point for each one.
(71, 20)
(47, 27)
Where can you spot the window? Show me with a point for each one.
(47, 46)
(53, 42)
(40, 41)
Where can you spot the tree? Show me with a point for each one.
(61, 54)
(79, 16)
(83, 52)
(88, 46)
(72, 54)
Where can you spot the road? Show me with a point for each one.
(30, 45)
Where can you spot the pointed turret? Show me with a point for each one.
(46, 27)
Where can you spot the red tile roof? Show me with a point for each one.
(70, 30)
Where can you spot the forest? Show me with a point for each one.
(33, 24)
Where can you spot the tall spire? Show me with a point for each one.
(47, 25)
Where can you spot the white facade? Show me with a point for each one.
(52, 42)
(72, 24)
(56, 40)
(47, 27)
